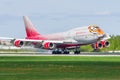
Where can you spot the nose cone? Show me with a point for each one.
(95, 29)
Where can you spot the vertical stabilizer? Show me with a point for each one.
(29, 27)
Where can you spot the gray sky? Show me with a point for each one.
(51, 16)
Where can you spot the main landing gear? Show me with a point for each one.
(59, 51)
(65, 51)
(77, 50)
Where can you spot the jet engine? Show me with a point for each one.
(49, 45)
(101, 44)
(18, 43)
(97, 45)
(105, 43)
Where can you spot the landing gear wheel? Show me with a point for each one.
(60, 51)
(66, 52)
(76, 52)
(57, 51)
(53, 52)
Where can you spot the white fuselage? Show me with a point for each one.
(78, 36)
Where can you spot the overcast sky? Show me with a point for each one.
(51, 16)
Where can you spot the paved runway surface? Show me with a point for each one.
(49, 54)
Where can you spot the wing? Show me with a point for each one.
(6, 41)
(46, 44)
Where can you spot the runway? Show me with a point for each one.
(50, 54)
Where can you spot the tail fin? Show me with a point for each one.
(29, 27)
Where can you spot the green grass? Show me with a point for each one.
(59, 68)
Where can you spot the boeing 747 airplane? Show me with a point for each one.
(63, 41)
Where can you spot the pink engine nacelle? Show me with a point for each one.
(101, 44)
(48, 45)
(18, 43)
